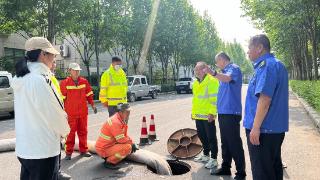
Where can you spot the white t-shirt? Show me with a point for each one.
(40, 121)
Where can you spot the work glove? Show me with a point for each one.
(134, 148)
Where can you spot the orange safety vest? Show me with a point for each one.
(114, 131)
(76, 96)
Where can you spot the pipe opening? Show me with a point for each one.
(177, 167)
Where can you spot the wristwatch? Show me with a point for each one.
(214, 73)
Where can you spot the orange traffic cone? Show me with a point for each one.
(152, 130)
(144, 133)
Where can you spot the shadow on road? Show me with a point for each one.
(92, 168)
(5, 117)
(205, 172)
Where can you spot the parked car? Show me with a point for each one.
(184, 85)
(138, 87)
(6, 93)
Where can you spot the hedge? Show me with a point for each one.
(168, 87)
(308, 90)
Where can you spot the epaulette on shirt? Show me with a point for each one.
(263, 63)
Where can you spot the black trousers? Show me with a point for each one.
(231, 143)
(39, 169)
(266, 163)
(112, 110)
(208, 137)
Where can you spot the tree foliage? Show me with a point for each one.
(181, 36)
(293, 27)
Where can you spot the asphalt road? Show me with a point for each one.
(172, 112)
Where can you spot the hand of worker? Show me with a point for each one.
(95, 110)
(211, 118)
(208, 70)
(254, 136)
(134, 148)
(105, 104)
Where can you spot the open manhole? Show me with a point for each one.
(177, 167)
(182, 144)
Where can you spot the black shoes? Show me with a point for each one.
(240, 177)
(86, 154)
(220, 172)
(227, 172)
(68, 157)
(110, 166)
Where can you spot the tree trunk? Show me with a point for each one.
(127, 61)
(89, 76)
(314, 54)
(306, 59)
(51, 32)
(96, 43)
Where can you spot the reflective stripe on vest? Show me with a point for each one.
(118, 156)
(105, 136)
(109, 121)
(206, 95)
(201, 116)
(76, 87)
(120, 136)
(213, 103)
(112, 83)
(90, 93)
(115, 99)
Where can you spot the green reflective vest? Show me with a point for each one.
(55, 83)
(113, 87)
(204, 101)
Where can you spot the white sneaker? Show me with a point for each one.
(211, 163)
(201, 158)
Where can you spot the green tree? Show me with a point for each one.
(293, 27)
(34, 17)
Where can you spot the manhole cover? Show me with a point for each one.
(184, 143)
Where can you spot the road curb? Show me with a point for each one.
(314, 115)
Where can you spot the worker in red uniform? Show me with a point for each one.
(113, 143)
(76, 92)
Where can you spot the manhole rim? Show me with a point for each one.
(170, 161)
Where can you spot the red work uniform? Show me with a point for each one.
(113, 142)
(76, 97)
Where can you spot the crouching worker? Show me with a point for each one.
(113, 143)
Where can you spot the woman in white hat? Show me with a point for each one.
(40, 120)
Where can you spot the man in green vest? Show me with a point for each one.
(114, 86)
(204, 112)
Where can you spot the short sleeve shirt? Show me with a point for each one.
(229, 95)
(270, 78)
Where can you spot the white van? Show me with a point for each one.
(6, 93)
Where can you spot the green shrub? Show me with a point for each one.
(94, 79)
(60, 74)
(167, 87)
(96, 91)
(308, 90)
